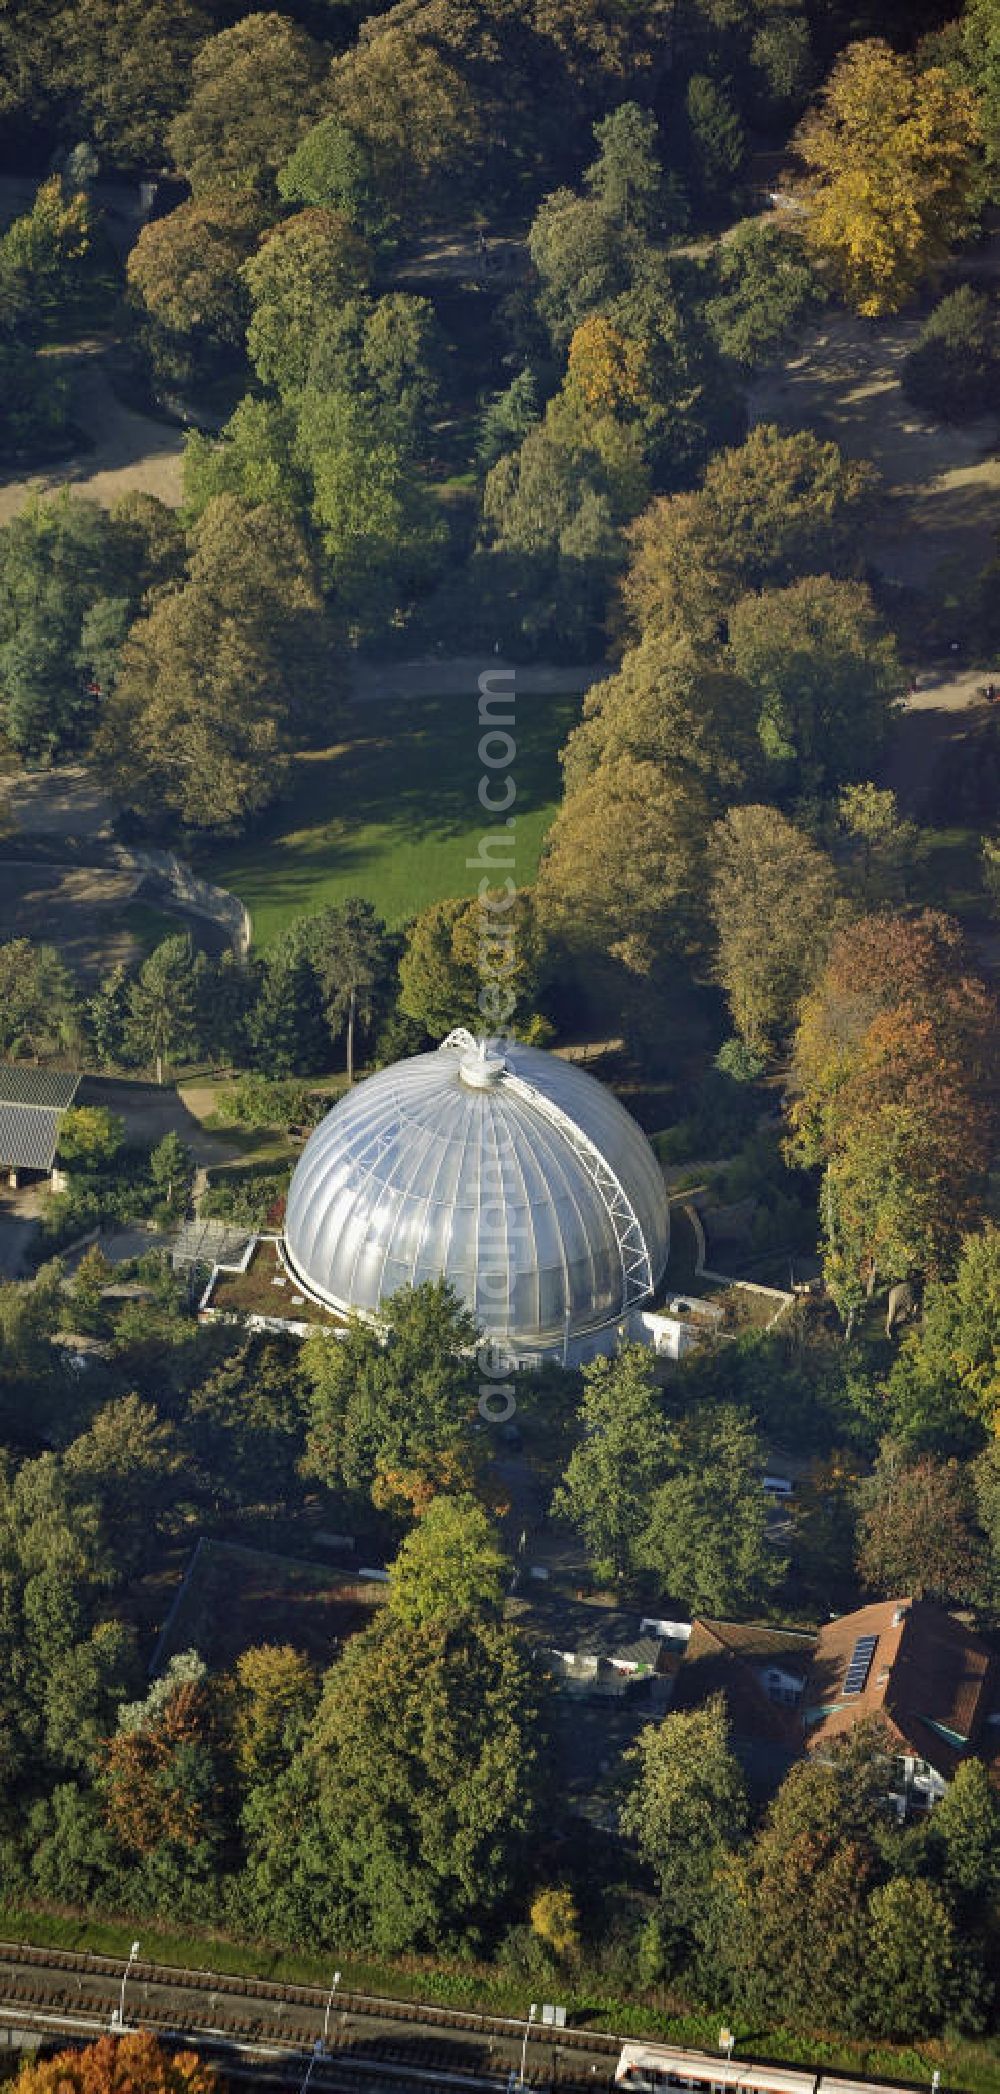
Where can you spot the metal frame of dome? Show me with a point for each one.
(404, 1179)
(633, 1250)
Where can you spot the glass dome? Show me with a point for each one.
(501, 1168)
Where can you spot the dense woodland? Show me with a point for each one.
(560, 460)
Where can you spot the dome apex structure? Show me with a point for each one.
(498, 1167)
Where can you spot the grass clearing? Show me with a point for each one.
(394, 813)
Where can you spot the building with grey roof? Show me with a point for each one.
(32, 1103)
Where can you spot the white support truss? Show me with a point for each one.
(633, 1250)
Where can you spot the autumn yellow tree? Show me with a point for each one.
(888, 149)
(895, 1099)
(622, 872)
(274, 1693)
(608, 366)
(131, 2064)
(772, 895)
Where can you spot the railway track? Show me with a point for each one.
(272, 2030)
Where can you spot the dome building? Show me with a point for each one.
(498, 1167)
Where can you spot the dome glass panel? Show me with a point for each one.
(511, 1173)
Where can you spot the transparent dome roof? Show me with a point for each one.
(506, 1171)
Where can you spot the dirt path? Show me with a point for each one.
(64, 803)
(942, 483)
(129, 452)
(456, 676)
(945, 706)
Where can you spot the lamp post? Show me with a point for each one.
(317, 2053)
(118, 2016)
(329, 2005)
(532, 2011)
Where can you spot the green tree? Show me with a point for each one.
(450, 1569)
(255, 89)
(396, 1401)
(90, 1137)
(912, 1950)
(952, 370)
(34, 403)
(508, 417)
(765, 292)
(461, 955)
(981, 49)
(686, 1808)
(869, 816)
(582, 255)
(624, 1448)
(131, 1460)
(93, 1275)
(332, 169)
(171, 1167)
(38, 1007)
(826, 673)
(160, 1024)
(888, 149)
(58, 560)
(304, 268)
(773, 900)
(964, 1837)
(287, 1028)
(381, 533)
(705, 1532)
(944, 1385)
(252, 458)
(627, 177)
(54, 1572)
(106, 1017)
(428, 1751)
(47, 272)
(126, 68)
(716, 142)
(389, 351)
(351, 956)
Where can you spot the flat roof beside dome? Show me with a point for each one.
(499, 1167)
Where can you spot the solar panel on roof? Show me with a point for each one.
(856, 1676)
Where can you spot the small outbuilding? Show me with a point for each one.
(32, 1103)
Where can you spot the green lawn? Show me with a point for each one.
(393, 814)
